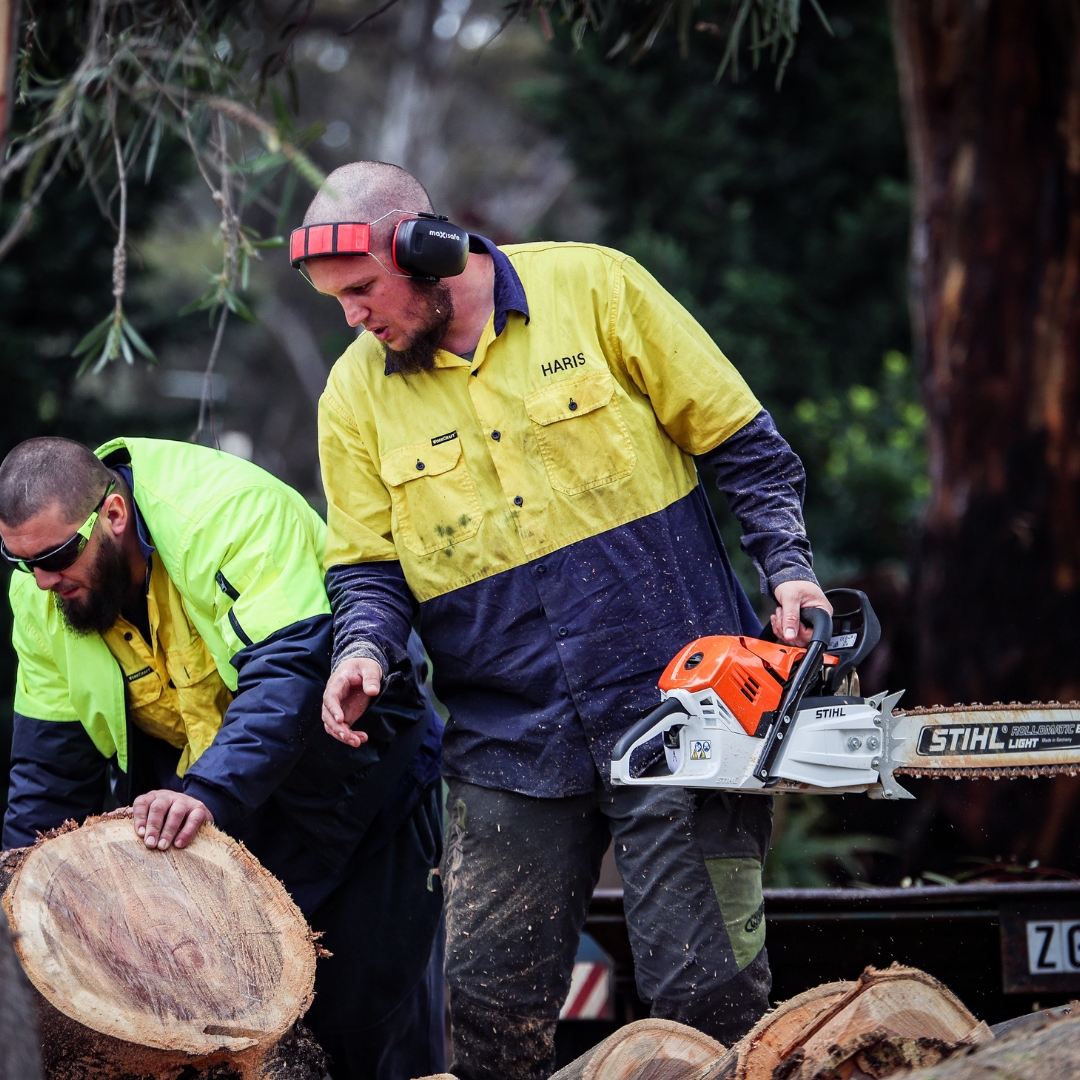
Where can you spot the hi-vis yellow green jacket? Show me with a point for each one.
(239, 545)
(572, 425)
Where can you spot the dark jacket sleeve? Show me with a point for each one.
(765, 484)
(57, 773)
(373, 612)
(269, 723)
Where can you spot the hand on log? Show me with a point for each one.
(169, 817)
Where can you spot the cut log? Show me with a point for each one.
(884, 1023)
(1030, 1052)
(646, 1050)
(150, 963)
(768, 1042)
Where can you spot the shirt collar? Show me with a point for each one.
(146, 545)
(509, 292)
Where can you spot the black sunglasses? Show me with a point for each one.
(62, 557)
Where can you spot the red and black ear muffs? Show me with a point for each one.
(427, 246)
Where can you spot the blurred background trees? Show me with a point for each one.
(779, 215)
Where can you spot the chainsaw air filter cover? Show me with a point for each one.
(748, 675)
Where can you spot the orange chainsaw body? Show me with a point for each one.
(748, 675)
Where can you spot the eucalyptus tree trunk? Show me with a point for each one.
(9, 52)
(991, 95)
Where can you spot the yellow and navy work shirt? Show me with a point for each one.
(540, 501)
(173, 688)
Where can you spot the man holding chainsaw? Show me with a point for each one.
(509, 454)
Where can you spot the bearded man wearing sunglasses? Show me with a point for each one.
(174, 640)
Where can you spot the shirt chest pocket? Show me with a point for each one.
(435, 503)
(143, 687)
(581, 432)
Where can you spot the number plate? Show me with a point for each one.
(1040, 949)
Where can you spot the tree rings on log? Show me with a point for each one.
(198, 952)
(646, 1050)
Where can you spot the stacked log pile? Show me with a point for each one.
(149, 965)
(895, 1022)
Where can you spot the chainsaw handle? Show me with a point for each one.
(820, 621)
(635, 731)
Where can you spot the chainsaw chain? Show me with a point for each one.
(996, 706)
(1002, 772)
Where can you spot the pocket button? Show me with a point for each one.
(419, 464)
(573, 405)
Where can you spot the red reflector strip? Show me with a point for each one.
(353, 238)
(320, 240)
(344, 238)
(590, 993)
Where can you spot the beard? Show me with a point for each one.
(111, 586)
(433, 305)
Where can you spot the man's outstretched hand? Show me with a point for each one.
(793, 596)
(169, 817)
(351, 688)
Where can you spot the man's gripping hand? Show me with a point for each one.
(169, 817)
(351, 688)
(793, 596)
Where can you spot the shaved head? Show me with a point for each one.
(364, 191)
(40, 473)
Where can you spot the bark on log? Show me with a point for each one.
(1051, 1053)
(154, 964)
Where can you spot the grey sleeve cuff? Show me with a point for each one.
(357, 649)
(790, 573)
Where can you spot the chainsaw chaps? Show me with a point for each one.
(747, 714)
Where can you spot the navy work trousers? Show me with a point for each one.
(518, 873)
(380, 998)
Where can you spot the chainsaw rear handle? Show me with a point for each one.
(809, 616)
(820, 621)
(626, 742)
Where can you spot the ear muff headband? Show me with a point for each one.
(344, 238)
(425, 247)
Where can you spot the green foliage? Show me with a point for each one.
(770, 25)
(101, 85)
(779, 218)
(804, 855)
(866, 446)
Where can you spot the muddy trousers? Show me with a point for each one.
(380, 999)
(518, 873)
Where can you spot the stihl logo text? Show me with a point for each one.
(824, 714)
(940, 740)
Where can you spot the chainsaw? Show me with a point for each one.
(747, 714)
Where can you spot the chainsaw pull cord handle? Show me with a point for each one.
(820, 622)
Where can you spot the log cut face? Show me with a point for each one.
(197, 951)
